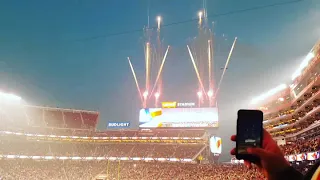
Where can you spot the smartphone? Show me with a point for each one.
(249, 133)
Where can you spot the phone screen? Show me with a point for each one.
(249, 130)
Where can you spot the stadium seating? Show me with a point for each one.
(23, 117)
(86, 170)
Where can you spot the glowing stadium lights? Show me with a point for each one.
(303, 64)
(210, 93)
(269, 93)
(7, 97)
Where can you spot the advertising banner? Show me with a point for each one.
(313, 156)
(119, 125)
(292, 158)
(302, 157)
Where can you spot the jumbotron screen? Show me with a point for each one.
(178, 117)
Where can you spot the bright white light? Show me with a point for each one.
(9, 97)
(281, 99)
(200, 14)
(303, 64)
(210, 93)
(145, 94)
(159, 19)
(269, 93)
(156, 95)
(199, 94)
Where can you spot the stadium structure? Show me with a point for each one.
(292, 111)
(32, 133)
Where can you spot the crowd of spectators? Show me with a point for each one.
(86, 149)
(301, 146)
(114, 133)
(87, 170)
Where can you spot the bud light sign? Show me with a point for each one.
(118, 125)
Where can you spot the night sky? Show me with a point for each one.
(58, 53)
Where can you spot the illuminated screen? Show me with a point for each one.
(215, 145)
(178, 117)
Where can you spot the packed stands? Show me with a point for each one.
(301, 146)
(82, 149)
(292, 113)
(290, 109)
(19, 116)
(87, 170)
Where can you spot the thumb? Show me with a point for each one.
(261, 153)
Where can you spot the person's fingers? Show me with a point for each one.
(261, 153)
(267, 139)
(233, 138)
(233, 151)
(247, 164)
(258, 165)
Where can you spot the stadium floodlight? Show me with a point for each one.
(269, 93)
(8, 97)
(303, 64)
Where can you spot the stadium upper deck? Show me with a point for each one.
(293, 110)
(24, 116)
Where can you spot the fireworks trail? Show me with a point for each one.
(200, 14)
(159, 22)
(147, 65)
(135, 79)
(211, 86)
(196, 69)
(160, 69)
(158, 58)
(226, 65)
(209, 64)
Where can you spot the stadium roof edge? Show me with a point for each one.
(63, 109)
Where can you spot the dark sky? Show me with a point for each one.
(47, 55)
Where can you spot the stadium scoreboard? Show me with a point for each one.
(178, 115)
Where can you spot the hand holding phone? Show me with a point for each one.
(249, 133)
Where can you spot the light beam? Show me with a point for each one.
(226, 66)
(196, 69)
(160, 69)
(135, 79)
